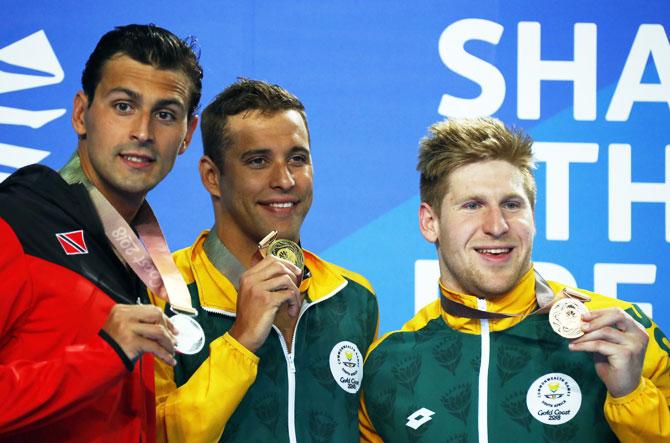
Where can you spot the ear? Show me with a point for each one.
(210, 176)
(79, 108)
(429, 223)
(189, 134)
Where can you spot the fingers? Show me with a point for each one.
(604, 347)
(264, 288)
(612, 317)
(171, 327)
(159, 351)
(158, 334)
(272, 266)
(607, 333)
(610, 332)
(294, 304)
(142, 328)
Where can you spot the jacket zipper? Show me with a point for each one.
(289, 356)
(482, 401)
(290, 369)
(290, 365)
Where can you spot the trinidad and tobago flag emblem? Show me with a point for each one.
(72, 242)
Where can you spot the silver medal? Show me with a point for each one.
(191, 337)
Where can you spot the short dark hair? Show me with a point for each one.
(243, 95)
(459, 142)
(150, 45)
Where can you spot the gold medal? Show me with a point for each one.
(287, 250)
(565, 317)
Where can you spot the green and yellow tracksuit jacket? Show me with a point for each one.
(309, 393)
(453, 379)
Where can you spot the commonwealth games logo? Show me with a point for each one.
(554, 398)
(346, 365)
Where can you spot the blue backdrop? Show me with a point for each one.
(590, 84)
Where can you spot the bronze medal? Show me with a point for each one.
(565, 317)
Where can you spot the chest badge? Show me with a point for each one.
(346, 365)
(554, 398)
(72, 242)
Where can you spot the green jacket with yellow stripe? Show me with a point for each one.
(306, 393)
(455, 379)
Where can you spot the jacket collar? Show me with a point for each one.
(520, 300)
(323, 283)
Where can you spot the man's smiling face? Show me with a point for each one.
(266, 183)
(484, 231)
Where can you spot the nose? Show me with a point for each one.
(282, 177)
(142, 129)
(495, 224)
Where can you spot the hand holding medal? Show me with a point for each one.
(151, 261)
(618, 344)
(268, 290)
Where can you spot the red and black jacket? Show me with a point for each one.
(61, 377)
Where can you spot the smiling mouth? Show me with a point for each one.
(138, 160)
(494, 252)
(282, 205)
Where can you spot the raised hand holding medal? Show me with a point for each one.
(151, 261)
(286, 250)
(268, 295)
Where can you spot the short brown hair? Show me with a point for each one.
(455, 143)
(149, 45)
(242, 96)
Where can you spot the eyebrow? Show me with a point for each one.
(300, 149)
(480, 197)
(252, 152)
(137, 97)
(267, 151)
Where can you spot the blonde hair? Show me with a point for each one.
(455, 143)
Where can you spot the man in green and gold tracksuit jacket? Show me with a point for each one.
(445, 363)
(481, 364)
(283, 358)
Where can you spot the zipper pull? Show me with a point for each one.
(291, 364)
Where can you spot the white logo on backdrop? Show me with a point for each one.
(33, 53)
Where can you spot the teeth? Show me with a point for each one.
(132, 158)
(281, 205)
(494, 251)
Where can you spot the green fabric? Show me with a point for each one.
(438, 368)
(324, 412)
(72, 173)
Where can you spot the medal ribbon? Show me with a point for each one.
(149, 257)
(544, 295)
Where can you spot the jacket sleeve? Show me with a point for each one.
(199, 410)
(643, 415)
(365, 427)
(34, 393)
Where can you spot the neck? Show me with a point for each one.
(524, 284)
(126, 205)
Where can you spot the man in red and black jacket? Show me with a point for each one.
(76, 350)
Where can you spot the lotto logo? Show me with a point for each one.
(419, 418)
